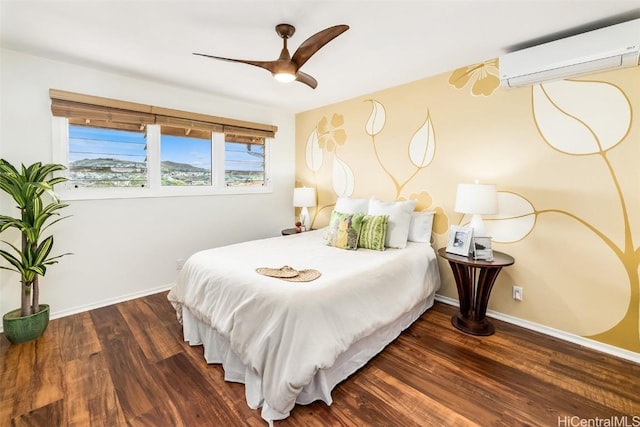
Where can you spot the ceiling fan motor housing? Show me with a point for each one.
(285, 30)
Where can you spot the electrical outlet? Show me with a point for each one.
(179, 264)
(518, 293)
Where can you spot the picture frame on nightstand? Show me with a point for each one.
(482, 248)
(459, 240)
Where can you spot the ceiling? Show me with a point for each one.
(389, 42)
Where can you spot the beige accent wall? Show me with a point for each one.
(564, 156)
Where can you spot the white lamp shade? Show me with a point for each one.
(304, 197)
(477, 199)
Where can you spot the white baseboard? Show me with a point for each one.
(566, 336)
(104, 303)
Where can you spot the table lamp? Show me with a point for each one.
(477, 199)
(303, 198)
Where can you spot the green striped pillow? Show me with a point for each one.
(373, 230)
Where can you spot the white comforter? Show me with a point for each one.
(286, 331)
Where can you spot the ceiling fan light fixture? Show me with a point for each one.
(285, 77)
(286, 68)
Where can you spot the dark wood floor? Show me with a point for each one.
(126, 364)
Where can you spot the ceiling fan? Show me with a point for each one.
(287, 68)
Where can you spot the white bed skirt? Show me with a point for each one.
(217, 350)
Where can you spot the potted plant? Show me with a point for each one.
(29, 187)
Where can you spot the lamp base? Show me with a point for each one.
(305, 219)
(478, 226)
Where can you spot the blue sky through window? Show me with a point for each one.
(238, 157)
(94, 143)
(180, 149)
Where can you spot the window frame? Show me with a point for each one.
(60, 139)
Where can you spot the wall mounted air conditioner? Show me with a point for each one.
(617, 46)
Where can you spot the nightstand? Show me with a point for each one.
(289, 231)
(474, 279)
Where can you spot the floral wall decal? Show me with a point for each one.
(514, 222)
(583, 118)
(425, 202)
(574, 117)
(484, 77)
(564, 156)
(342, 178)
(377, 118)
(421, 147)
(313, 151)
(326, 138)
(330, 134)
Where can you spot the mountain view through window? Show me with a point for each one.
(107, 157)
(100, 157)
(185, 160)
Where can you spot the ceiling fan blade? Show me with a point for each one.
(315, 42)
(306, 79)
(267, 65)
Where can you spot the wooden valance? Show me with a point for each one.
(243, 139)
(116, 114)
(185, 132)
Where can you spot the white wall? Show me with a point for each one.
(128, 247)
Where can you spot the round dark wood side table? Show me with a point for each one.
(474, 279)
(289, 231)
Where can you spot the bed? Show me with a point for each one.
(293, 342)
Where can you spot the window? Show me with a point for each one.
(106, 157)
(120, 149)
(185, 160)
(243, 163)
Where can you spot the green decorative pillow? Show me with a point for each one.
(343, 230)
(373, 231)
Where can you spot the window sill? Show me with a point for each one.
(143, 193)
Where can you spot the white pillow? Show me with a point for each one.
(351, 205)
(421, 225)
(399, 220)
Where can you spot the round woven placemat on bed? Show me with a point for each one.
(289, 274)
(303, 276)
(280, 273)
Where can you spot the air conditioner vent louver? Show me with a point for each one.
(617, 46)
